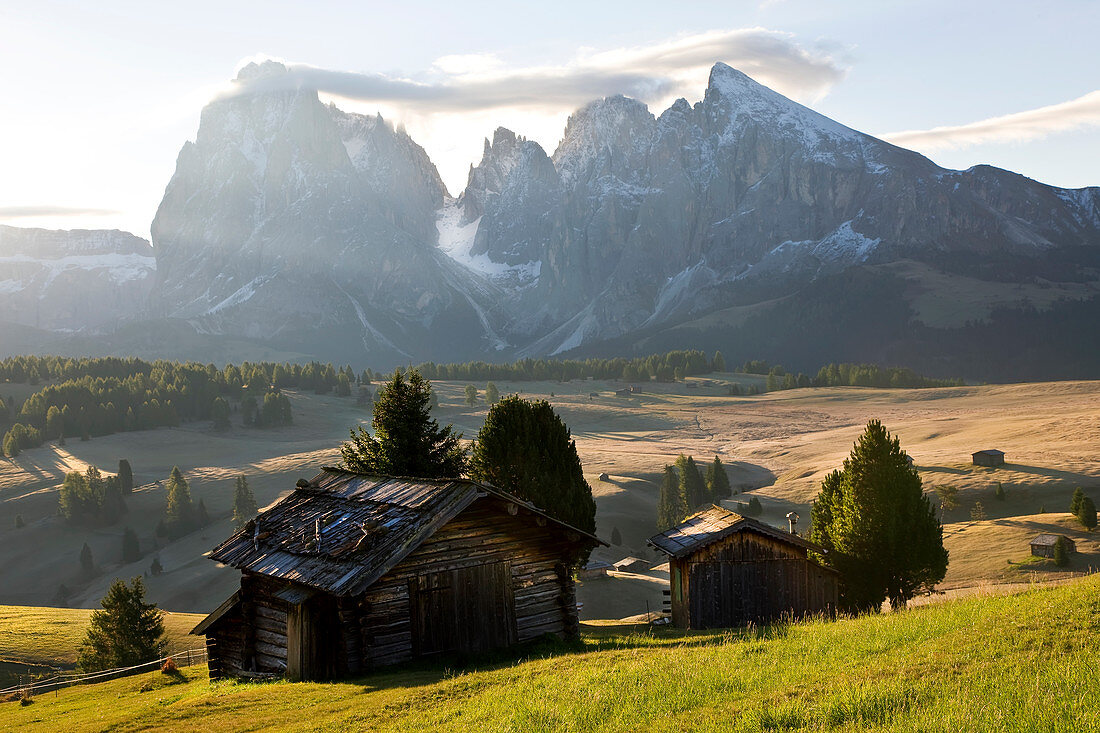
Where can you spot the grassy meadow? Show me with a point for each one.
(1023, 662)
(777, 447)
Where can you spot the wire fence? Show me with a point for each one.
(33, 686)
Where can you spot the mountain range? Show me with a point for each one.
(744, 221)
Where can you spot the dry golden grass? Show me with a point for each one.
(777, 445)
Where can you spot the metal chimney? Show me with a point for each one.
(792, 521)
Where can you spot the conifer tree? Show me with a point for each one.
(526, 449)
(125, 632)
(406, 440)
(1061, 554)
(76, 503)
(616, 537)
(155, 568)
(718, 363)
(718, 481)
(492, 394)
(244, 503)
(111, 505)
(1086, 513)
(19, 523)
(179, 512)
(977, 512)
(219, 413)
(1075, 502)
(692, 486)
(87, 563)
(671, 506)
(999, 492)
(471, 395)
(131, 548)
(125, 477)
(878, 528)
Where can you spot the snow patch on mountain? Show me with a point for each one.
(456, 240)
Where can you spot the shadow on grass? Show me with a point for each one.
(426, 672)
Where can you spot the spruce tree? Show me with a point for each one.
(1075, 502)
(19, 523)
(718, 481)
(616, 537)
(125, 477)
(471, 395)
(492, 394)
(244, 503)
(155, 568)
(125, 632)
(1061, 554)
(877, 527)
(977, 512)
(718, 363)
(76, 503)
(671, 507)
(131, 548)
(406, 440)
(526, 449)
(692, 485)
(219, 413)
(87, 563)
(179, 512)
(1086, 513)
(111, 505)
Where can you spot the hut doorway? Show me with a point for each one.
(464, 610)
(312, 639)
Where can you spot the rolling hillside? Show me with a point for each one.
(1008, 663)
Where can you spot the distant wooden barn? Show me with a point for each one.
(352, 572)
(991, 458)
(1043, 545)
(726, 570)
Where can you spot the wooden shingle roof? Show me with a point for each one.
(711, 525)
(1049, 540)
(345, 530)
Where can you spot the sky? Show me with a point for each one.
(96, 99)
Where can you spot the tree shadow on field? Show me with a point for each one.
(1082, 478)
(614, 637)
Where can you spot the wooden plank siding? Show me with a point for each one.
(490, 577)
(747, 578)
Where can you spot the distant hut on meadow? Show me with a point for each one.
(991, 458)
(351, 572)
(632, 565)
(1043, 545)
(727, 570)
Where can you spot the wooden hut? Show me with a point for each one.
(352, 572)
(991, 458)
(727, 570)
(1043, 545)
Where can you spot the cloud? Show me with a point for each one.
(26, 212)
(651, 73)
(1031, 124)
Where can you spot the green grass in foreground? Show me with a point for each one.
(1011, 663)
(52, 636)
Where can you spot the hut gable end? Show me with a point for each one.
(352, 572)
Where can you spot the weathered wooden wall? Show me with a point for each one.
(486, 579)
(543, 596)
(746, 578)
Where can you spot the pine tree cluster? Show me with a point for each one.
(90, 498)
(684, 490)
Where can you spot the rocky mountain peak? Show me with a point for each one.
(264, 69)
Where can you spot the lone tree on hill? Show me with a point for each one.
(125, 632)
(879, 530)
(526, 449)
(87, 563)
(125, 477)
(131, 548)
(244, 503)
(406, 440)
(717, 480)
(671, 506)
(1075, 502)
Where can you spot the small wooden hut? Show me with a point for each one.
(728, 570)
(1043, 545)
(990, 458)
(352, 572)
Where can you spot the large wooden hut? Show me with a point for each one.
(728, 570)
(990, 458)
(351, 572)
